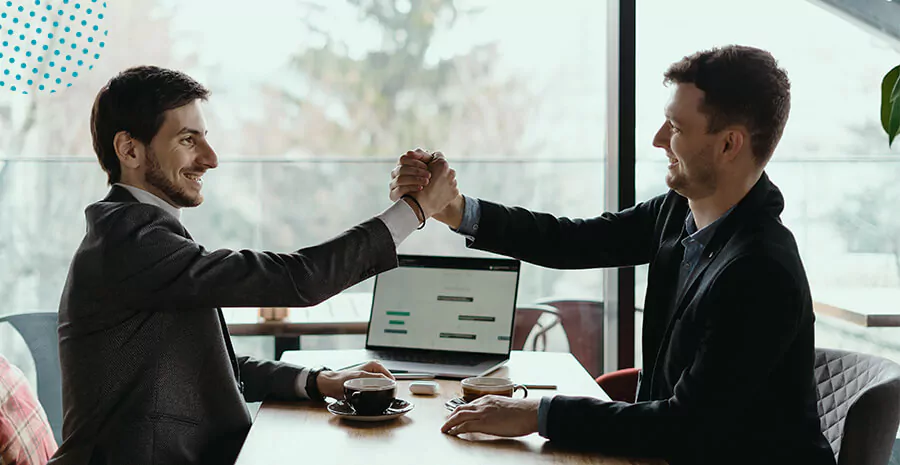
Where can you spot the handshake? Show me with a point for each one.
(429, 180)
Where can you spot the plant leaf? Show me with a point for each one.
(895, 95)
(888, 86)
(894, 122)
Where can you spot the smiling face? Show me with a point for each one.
(688, 144)
(178, 156)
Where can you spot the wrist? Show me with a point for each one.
(415, 208)
(452, 214)
(314, 384)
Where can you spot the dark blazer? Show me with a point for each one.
(728, 359)
(148, 371)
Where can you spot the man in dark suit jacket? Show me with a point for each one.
(728, 322)
(149, 372)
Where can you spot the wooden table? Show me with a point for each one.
(869, 307)
(346, 313)
(289, 432)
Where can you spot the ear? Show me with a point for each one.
(129, 150)
(733, 143)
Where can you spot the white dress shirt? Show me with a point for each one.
(399, 218)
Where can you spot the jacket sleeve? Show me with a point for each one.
(754, 317)
(266, 379)
(151, 264)
(625, 238)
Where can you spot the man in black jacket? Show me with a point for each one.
(148, 370)
(728, 322)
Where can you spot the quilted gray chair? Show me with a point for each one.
(859, 405)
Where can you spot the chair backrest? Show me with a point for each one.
(526, 321)
(859, 405)
(583, 322)
(38, 330)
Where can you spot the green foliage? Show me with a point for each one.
(890, 104)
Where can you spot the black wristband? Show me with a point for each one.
(312, 385)
(421, 210)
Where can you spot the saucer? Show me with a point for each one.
(398, 408)
(454, 402)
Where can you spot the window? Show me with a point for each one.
(312, 102)
(833, 164)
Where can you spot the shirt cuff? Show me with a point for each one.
(300, 386)
(471, 216)
(400, 220)
(543, 416)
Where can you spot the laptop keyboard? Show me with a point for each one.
(433, 358)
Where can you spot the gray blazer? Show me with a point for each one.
(148, 371)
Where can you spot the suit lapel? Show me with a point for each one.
(709, 254)
(231, 356)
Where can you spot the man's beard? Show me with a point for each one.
(700, 182)
(157, 179)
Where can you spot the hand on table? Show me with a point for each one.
(497, 415)
(331, 383)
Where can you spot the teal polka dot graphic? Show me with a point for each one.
(31, 41)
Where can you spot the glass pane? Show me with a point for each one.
(312, 103)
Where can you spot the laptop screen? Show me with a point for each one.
(445, 303)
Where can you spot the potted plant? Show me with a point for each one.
(890, 104)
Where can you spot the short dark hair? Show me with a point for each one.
(742, 85)
(135, 101)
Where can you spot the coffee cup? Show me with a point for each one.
(370, 396)
(481, 386)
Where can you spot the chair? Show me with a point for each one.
(527, 319)
(858, 401)
(583, 322)
(859, 405)
(620, 385)
(38, 330)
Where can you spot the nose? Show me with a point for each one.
(208, 157)
(661, 139)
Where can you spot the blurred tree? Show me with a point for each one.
(395, 95)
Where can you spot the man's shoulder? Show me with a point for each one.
(111, 217)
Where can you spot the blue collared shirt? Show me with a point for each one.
(693, 244)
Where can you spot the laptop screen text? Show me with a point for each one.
(437, 308)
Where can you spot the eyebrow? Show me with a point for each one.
(192, 131)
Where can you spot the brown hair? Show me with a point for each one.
(135, 101)
(741, 85)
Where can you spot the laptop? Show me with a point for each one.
(447, 316)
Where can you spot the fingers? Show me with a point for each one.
(409, 170)
(439, 167)
(414, 160)
(368, 374)
(400, 181)
(377, 368)
(417, 155)
(474, 426)
(459, 417)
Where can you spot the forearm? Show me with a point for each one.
(266, 379)
(188, 277)
(619, 239)
(619, 428)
